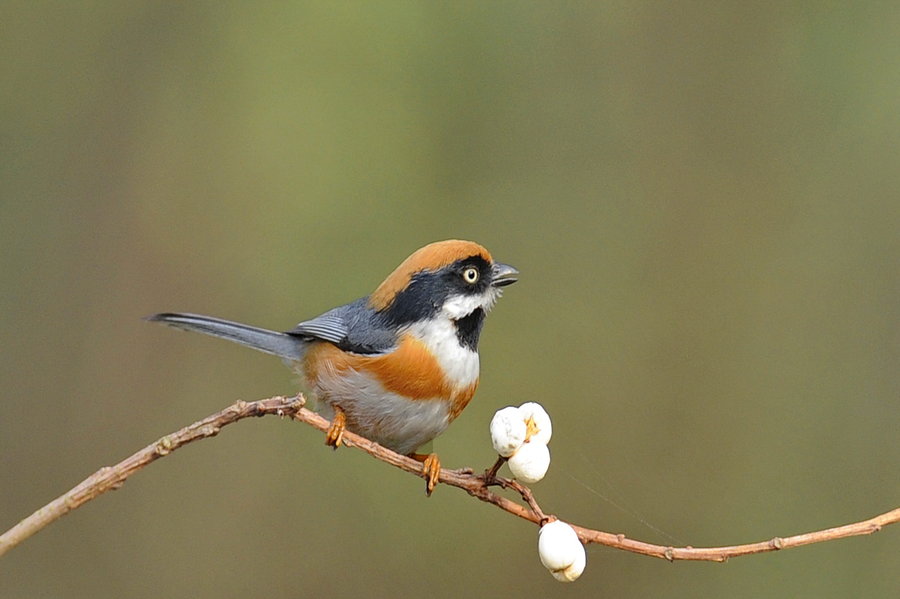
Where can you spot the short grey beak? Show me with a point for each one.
(503, 275)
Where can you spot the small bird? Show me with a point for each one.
(396, 366)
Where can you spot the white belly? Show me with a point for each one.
(384, 417)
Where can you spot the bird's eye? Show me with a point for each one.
(470, 275)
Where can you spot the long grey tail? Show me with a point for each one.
(271, 342)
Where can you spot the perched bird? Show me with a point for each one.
(399, 365)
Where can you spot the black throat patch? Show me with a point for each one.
(468, 329)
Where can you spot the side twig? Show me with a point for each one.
(477, 485)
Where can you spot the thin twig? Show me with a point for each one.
(477, 485)
(491, 473)
(110, 478)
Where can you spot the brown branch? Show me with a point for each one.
(477, 485)
(110, 478)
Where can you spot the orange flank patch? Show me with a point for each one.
(410, 370)
(431, 257)
(461, 400)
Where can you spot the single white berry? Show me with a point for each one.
(537, 421)
(572, 572)
(530, 463)
(508, 431)
(560, 551)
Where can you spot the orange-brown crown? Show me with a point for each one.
(433, 256)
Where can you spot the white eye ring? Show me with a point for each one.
(470, 275)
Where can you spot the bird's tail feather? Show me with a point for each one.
(271, 342)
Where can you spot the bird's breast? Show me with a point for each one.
(405, 396)
(415, 369)
(439, 338)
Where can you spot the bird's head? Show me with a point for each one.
(456, 280)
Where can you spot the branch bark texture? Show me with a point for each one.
(478, 485)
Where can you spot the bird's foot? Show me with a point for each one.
(431, 468)
(335, 432)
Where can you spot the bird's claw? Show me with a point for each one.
(431, 469)
(335, 433)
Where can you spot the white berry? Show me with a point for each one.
(540, 428)
(508, 431)
(530, 463)
(560, 551)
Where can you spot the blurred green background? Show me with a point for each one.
(703, 199)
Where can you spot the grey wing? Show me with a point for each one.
(328, 326)
(354, 327)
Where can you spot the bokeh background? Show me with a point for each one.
(703, 199)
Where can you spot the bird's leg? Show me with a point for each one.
(335, 432)
(431, 468)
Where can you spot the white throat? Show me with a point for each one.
(460, 306)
